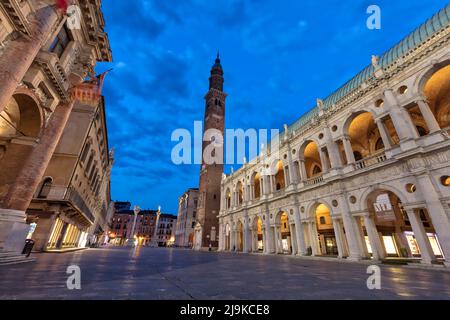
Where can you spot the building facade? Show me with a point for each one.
(42, 57)
(71, 205)
(365, 174)
(144, 231)
(186, 219)
(206, 229)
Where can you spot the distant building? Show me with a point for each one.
(187, 213)
(122, 224)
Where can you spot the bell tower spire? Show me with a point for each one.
(207, 227)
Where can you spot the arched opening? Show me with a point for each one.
(437, 93)
(240, 193)
(228, 198)
(256, 185)
(325, 231)
(283, 241)
(258, 238)
(21, 117)
(280, 182)
(45, 188)
(240, 236)
(227, 237)
(313, 164)
(364, 136)
(394, 232)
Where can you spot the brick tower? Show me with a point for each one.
(207, 227)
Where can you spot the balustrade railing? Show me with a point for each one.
(371, 160)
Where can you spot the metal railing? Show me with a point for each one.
(58, 192)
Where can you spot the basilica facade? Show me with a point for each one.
(365, 174)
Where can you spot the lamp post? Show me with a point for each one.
(130, 240)
(154, 242)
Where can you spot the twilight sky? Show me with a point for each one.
(278, 57)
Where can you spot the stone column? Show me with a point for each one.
(18, 55)
(270, 238)
(350, 231)
(301, 247)
(428, 116)
(246, 236)
(292, 176)
(21, 192)
(13, 228)
(426, 252)
(437, 213)
(293, 239)
(304, 175)
(333, 150)
(275, 237)
(323, 160)
(313, 240)
(400, 117)
(384, 134)
(348, 149)
(337, 233)
(221, 240)
(374, 238)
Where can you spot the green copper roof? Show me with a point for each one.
(424, 32)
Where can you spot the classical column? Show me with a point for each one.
(428, 116)
(374, 238)
(18, 55)
(21, 192)
(323, 160)
(337, 233)
(270, 240)
(348, 149)
(383, 133)
(304, 175)
(333, 150)
(293, 239)
(350, 231)
(400, 117)
(299, 233)
(275, 237)
(261, 185)
(292, 175)
(426, 252)
(154, 240)
(221, 235)
(246, 242)
(313, 238)
(437, 213)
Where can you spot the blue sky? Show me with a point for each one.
(278, 57)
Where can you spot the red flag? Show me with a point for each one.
(89, 92)
(62, 4)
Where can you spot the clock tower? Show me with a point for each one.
(207, 226)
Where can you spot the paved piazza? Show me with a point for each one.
(146, 273)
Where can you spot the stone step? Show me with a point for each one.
(9, 258)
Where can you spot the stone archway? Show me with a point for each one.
(239, 236)
(257, 235)
(283, 237)
(437, 93)
(393, 231)
(327, 241)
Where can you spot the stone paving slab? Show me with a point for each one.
(159, 273)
